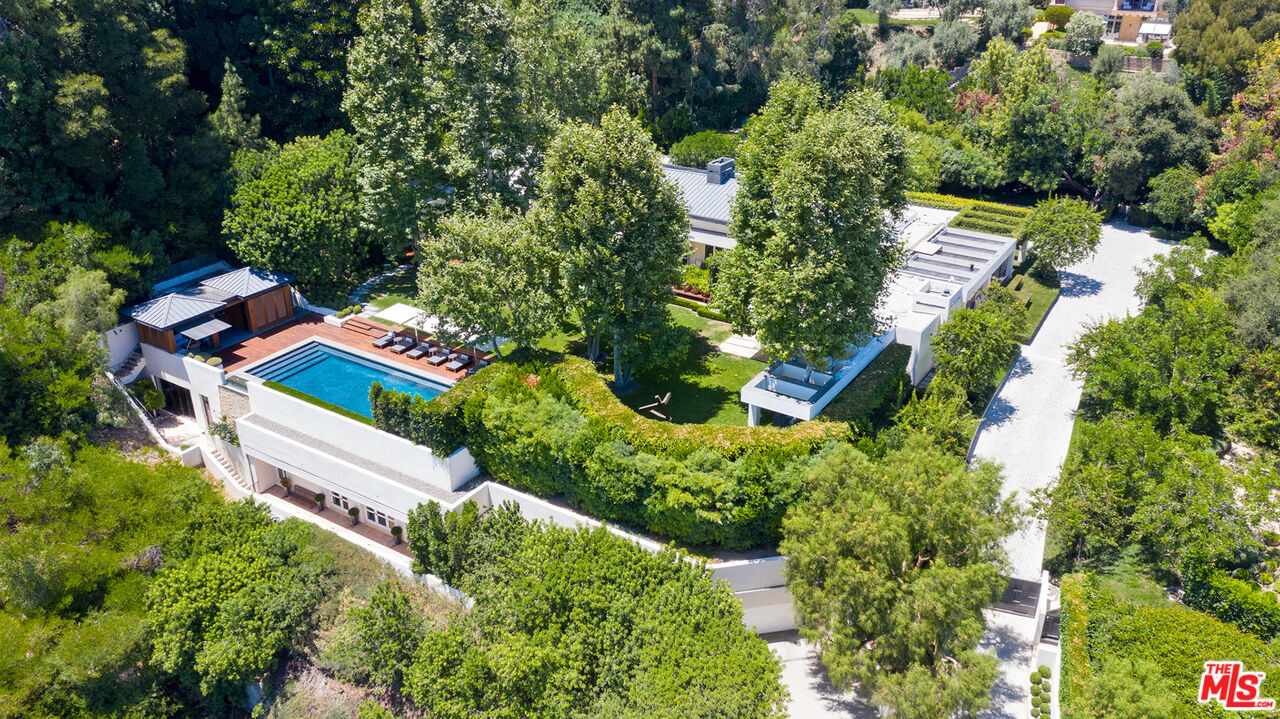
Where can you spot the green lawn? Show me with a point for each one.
(1042, 297)
(704, 390)
(393, 290)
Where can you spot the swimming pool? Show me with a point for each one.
(339, 377)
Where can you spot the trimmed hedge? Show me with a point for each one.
(438, 423)
(1214, 591)
(1077, 673)
(551, 426)
(271, 384)
(1177, 639)
(701, 309)
(876, 393)
(951, 202)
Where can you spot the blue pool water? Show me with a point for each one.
(339, 377)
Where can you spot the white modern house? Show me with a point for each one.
(946, 268)
(267, 378)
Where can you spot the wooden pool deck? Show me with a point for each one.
(242, 354)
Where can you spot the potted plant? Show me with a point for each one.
(396, 531)
(354, 513)
(319, 498)
(288, 486)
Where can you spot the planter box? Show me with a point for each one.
(337, 321)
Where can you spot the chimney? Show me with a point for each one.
(720, 170)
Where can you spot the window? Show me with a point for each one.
(376, 517)
(281, 474)
(1113, 25)
(340, 501)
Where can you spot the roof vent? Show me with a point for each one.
(720, 170)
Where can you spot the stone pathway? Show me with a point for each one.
(1027, 427)
(358, 293)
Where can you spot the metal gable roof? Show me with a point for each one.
(701, 198)
(172, 309)
(246, 281)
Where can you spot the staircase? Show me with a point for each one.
(229, 469)
(131, 368)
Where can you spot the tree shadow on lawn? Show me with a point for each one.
(692, 402)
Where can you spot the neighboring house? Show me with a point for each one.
(1128, 21)
(708, 195)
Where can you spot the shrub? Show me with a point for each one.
(1155, 50)
(1058, 15)
(1271, 539)
(318, 498)
(554, 428)
(151, 398)
(695, 279)
(214, 361)
(701, 309)
(225, 429)
(700, 148)
(1241, 573)
(1266, 578)
(875, 394)
(1076, 670)
(1140, 216)
(1175, 639)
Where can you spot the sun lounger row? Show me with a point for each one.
(436, 355)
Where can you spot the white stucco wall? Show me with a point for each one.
(120, 342)
(361, 439)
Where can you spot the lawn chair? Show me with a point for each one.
(385, 340)
(404, 344)
(439, 358)
(659, 403)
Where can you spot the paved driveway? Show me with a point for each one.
(1027, 427)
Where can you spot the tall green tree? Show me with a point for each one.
(238, 129)
(296, 209)
(974, 345)
(388, 631)
(891, 564)
(83, 305)
(471, 56)
(1007, 18)
(1155, 128)
(394, 108)
(1171, 363)
(815, 245)
(1061, 232)
(489, 275)
(618, 227)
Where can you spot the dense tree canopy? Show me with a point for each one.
(296, 209)
(618, 229)
(1224, 34)
(891, 564)
(815, 245)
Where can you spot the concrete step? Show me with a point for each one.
(230, 469)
